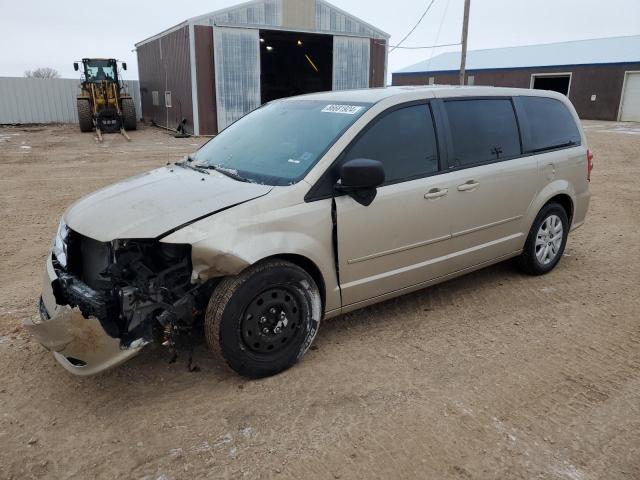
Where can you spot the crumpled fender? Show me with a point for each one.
(230, 241)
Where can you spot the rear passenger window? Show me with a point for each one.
(482, 130)
(548, 125)
(403, 140)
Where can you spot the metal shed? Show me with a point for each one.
(217, 67)
(600, 76)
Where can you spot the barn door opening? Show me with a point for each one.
(294, 63)
(556, 82)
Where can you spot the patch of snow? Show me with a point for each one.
(501, 428)
(226, 438)
(625, 130)
(232, 171)
(569, 471)
(176, 452)
(203, 447)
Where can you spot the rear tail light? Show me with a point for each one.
(589, 164)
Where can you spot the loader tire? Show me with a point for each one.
(84, 115)
(128, 114)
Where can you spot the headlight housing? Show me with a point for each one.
(59, 248)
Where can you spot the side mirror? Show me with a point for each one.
(124, 65)
(360, 178)
(75, 66)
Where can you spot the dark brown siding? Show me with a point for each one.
(205, 74)
(163, 64)
(604, 81)
(376, 63)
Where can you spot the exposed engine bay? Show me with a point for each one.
(137, 289)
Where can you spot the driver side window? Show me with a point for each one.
(403, 140)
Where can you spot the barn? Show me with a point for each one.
(212, 69)
(600, 76)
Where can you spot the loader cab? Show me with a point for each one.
(99, 70)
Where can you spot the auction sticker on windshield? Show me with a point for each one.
(347, 109)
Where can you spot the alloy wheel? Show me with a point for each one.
(549, 239)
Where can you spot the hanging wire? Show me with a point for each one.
(428, 46)
(414, 27)
(446, 7)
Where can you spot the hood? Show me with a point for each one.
(153, 203)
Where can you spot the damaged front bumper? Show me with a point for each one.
(79, 344)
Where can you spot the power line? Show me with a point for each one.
(414, 27)
(428, 46)
(444, 14)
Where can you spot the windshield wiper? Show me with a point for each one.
(192, 167)
(188, 164)
(228, 172)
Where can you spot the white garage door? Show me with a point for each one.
(630, 107)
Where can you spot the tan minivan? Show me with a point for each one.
(307, 208)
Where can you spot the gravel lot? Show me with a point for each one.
(491, 376)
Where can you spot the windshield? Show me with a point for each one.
(98, 70)
(280, 142)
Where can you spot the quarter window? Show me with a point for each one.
(482, 130)
(403, 140)
(549, 124)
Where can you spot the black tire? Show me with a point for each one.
(129, 120)
(528, 261)
(234, 326)
(85, 117)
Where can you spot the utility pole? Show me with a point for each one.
(465, 31)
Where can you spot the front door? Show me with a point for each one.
(403, 237)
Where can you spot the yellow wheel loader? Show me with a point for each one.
(103, 103)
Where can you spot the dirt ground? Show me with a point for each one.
(495, 375)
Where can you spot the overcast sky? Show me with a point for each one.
(49, 33)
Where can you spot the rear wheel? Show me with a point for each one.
(128, 114)
(85, 118)
(262, 321)
(546, 241)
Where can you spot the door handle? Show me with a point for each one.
(436, 193)
(469, 185)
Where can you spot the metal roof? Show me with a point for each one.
(268, 14)
(579, 52)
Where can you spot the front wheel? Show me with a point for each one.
(263, 320)
(546, 241)
(85, 117)
(129, 114)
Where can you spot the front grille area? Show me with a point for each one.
(127, 284)
(88, 259)
(85, 283)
